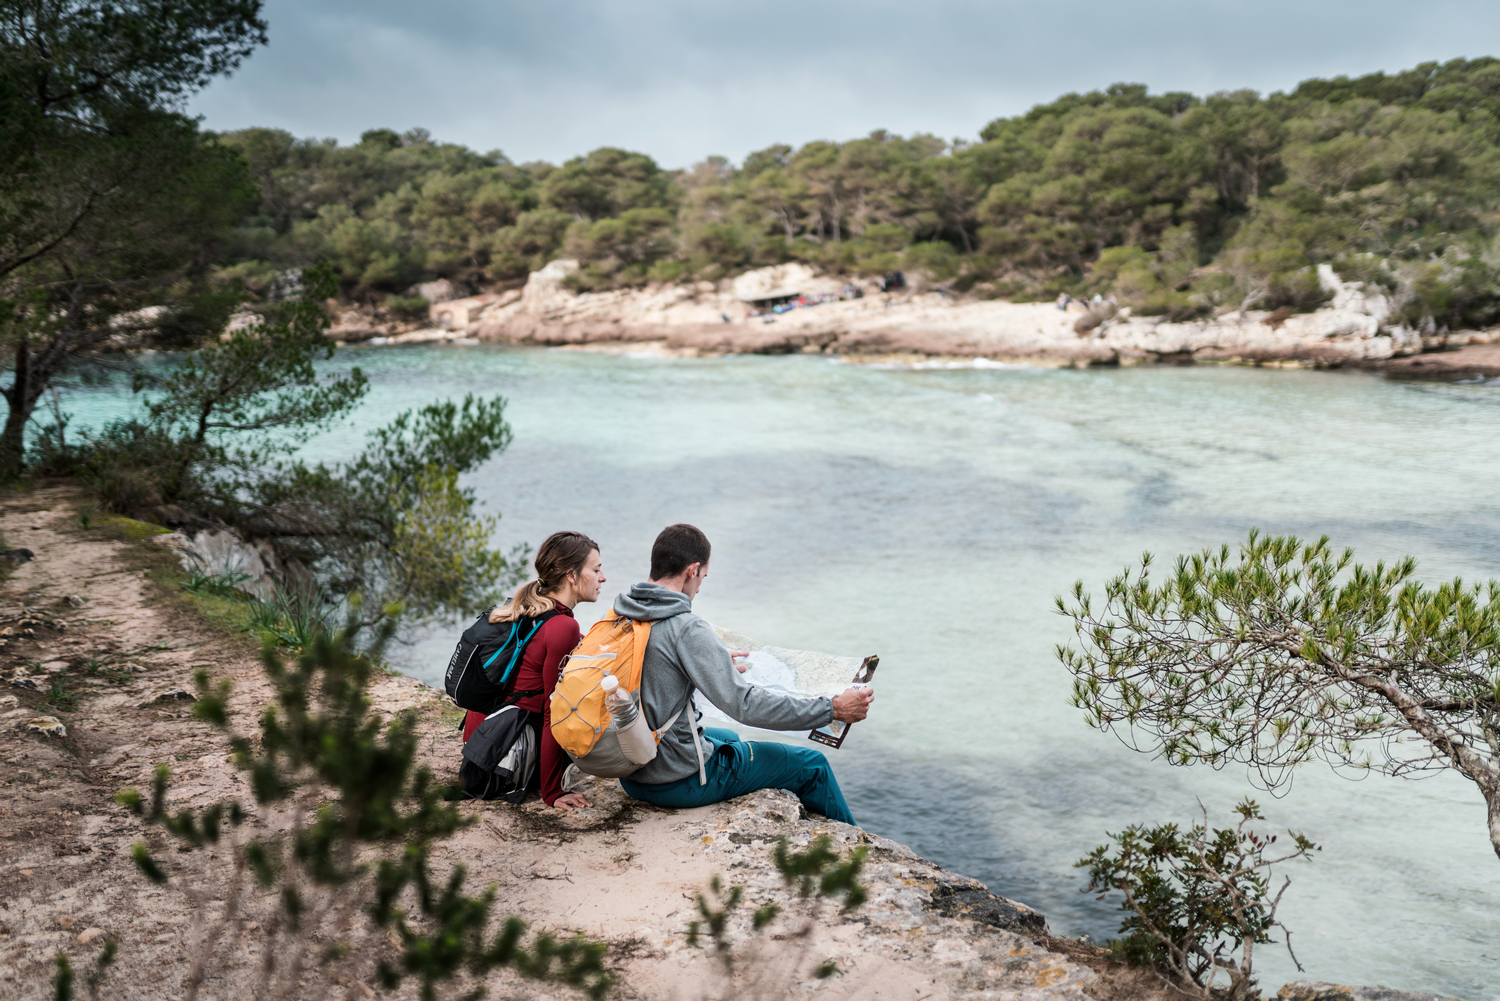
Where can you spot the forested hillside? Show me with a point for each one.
(1177, 204)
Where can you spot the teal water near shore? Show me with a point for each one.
(931, 514)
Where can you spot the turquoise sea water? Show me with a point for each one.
(930, 515)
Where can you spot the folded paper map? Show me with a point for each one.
(805, 672)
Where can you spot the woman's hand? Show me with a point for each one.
(571, 801)
(737, 658)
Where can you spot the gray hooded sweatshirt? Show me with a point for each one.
(684, 654)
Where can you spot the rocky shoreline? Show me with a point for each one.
(1355, 329)
(622, 871)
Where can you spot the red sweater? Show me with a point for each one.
(541, 663)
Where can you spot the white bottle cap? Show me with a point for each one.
(609, 684)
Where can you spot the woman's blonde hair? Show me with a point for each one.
(562, 554)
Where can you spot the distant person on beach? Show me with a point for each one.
(1063, 301)
(568, 571)
(684, 654)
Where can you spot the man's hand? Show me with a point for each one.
(571, 801)
(853, 705)
(737, 658)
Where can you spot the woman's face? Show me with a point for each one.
(587, 582)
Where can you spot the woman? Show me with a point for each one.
(568, 570)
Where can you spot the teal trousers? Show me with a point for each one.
(737, 767)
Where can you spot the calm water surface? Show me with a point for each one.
(930, 515)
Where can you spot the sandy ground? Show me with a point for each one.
(621, 871)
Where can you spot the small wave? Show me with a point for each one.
(950, 364)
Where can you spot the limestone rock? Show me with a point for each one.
(222, 552)
(780, 278)
(50, 725)
(435, 292)
(21, 681)
(90, 934)
(9, 701)
(1310, 990)
(948, 933)
(75, 600)
(969, 898)
(544, 292)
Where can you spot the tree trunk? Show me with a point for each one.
(21, 400)
(1492, 804)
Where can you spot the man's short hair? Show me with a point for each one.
(677, 548)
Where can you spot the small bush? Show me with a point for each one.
(414, 309)
(221, 583)
(938, 260)
(767, 969)
(1192, 898)
(292, 616)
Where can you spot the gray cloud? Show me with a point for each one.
(680, 79)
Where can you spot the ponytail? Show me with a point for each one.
(528, 601)
(562, 555)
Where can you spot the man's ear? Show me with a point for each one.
(693, 570)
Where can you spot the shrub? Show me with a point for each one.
(1193, 898)
(767, 971)
(1285, 651)
(413, 309)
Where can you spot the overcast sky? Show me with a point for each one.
(682, 79)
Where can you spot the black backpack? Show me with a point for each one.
(500, 756)
(482, 672)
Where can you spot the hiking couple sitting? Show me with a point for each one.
(693, 765)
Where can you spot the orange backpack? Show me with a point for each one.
(582, 723)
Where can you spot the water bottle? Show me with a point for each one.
(637, 742)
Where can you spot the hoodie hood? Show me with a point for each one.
(648, 602)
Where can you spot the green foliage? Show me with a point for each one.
(60, 697)
(413, 308)
(111, 203)
(62, 983)
(214, 436)
(221, 414)
(393, 523)
(1193, 898)
(1283, 651)
(817, 873)
(363, 819)
(1233, 199)
(223, 583)
(229, 407)
(293, 616)
(817, 869)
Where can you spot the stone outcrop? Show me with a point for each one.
(632, 872)
(221, 552)
(1354, 328)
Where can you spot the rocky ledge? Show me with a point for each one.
(628, 873)
(1358, 326)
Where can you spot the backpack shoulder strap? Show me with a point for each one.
(662, 730)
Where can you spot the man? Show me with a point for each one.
(684, 654)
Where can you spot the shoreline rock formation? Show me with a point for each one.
(1354, 329)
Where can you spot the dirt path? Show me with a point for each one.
(102, 665)
(98, 634)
